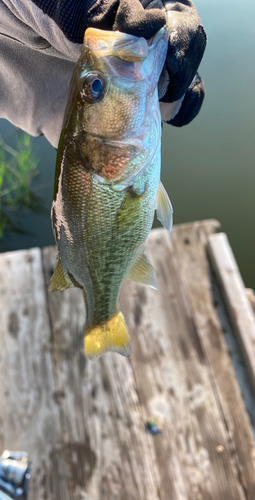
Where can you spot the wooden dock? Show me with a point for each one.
(84, 424)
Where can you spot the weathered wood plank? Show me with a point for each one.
(85, 421)
(105, 445)
(175, 387)
(234, 351)
(195, 272)
(237, 303)
(29, 416)
(251, 297)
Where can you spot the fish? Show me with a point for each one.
(107, 179)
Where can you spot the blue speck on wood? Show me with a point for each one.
(152, 428)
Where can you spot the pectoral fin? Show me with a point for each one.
(60, 279)
(164, 208)
(129, 209)
(142, 271)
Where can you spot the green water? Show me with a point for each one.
(208, 167)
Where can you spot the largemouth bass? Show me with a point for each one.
(107, 181)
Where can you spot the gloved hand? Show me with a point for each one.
(41, 42)
(181, 90)
(184, 95)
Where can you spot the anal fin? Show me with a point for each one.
(142, 271)
(60, 279)
(164, 208)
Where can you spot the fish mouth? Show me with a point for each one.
(128, 149)
(135, 138)
(139, 143)
(114, 43)
(123, 181)
(136, 142)
(124, 142)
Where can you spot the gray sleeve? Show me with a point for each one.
(36, 65)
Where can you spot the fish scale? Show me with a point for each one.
(107, 181)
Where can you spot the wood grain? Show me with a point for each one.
(107, 450)
(195, 271)
(83, 423)
(238, 305)
(175, 384)
(251, 297)
(29, 416)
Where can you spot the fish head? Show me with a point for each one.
(114, 89)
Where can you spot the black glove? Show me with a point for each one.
(47, 43)
(191, 104)
(181, 90)
(127, 16)
(187, 41)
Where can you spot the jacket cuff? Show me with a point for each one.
(71, 16)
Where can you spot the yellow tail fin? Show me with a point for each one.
(110, 336)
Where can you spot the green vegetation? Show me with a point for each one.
(18, 167)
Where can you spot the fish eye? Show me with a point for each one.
(92, 86)
(96, 86)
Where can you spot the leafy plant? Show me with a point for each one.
(18, 167)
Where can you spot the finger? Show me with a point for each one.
(189, 105)
(186, 47)
(127, 16)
